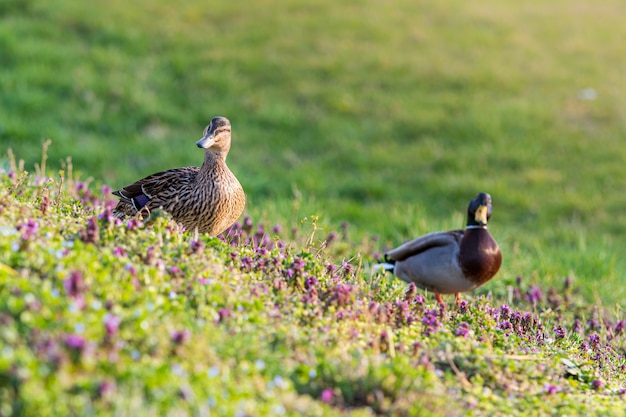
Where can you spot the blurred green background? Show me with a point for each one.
(389, 116)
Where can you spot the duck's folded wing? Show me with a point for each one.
(424, 243)
(165, 182)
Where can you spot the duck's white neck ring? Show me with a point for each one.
(475, 226)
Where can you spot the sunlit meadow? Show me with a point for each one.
(103, 316)
(357, 125)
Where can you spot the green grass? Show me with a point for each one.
(104, 317)
(356, 113)
(380, 120)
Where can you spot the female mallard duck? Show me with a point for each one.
(450, 262)
(208, 198)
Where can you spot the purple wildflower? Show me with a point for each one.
(28, 229)
(90, 234)
(551, 389)
(133, 224)
(247, 224)
(430, 320)
(597, 384)
(504, 325)
(106, 388)
(332, 236)
(346, 267)
(463, 329)
(326, 395)
(298, 265)
(45, 203)
(560, 332)
(403, 313)
(179, 336)
(107, 215)
(311, 296)
(534, 295)
(310, 282)
(505, 311)
(149, 256)
(372, 307)
(594, 340)
(74, 284)
(80, 187)
(75, 342)
(577, 327)
(341, 294)
(111, 324)
(119, 251)
(197, 246)
(224, 314)
(527, 321)
(131, 269)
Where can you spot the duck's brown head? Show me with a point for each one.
(216, 136)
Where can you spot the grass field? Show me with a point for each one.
(379, 119)
(388, 117)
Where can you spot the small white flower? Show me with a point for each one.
(213, 372)
(588, 94)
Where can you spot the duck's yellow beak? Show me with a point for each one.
(481, 215)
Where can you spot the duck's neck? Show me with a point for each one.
(475, 226)
(213, 158)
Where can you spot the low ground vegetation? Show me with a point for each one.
(103, 316)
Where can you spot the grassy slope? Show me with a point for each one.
(389, 117)
(359, 113)
(108, 318)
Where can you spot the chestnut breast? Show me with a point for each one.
(479, 256)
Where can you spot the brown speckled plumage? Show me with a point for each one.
(450, 262)
(209, 198)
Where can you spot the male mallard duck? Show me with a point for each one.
(450, 262)
(208, 198)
